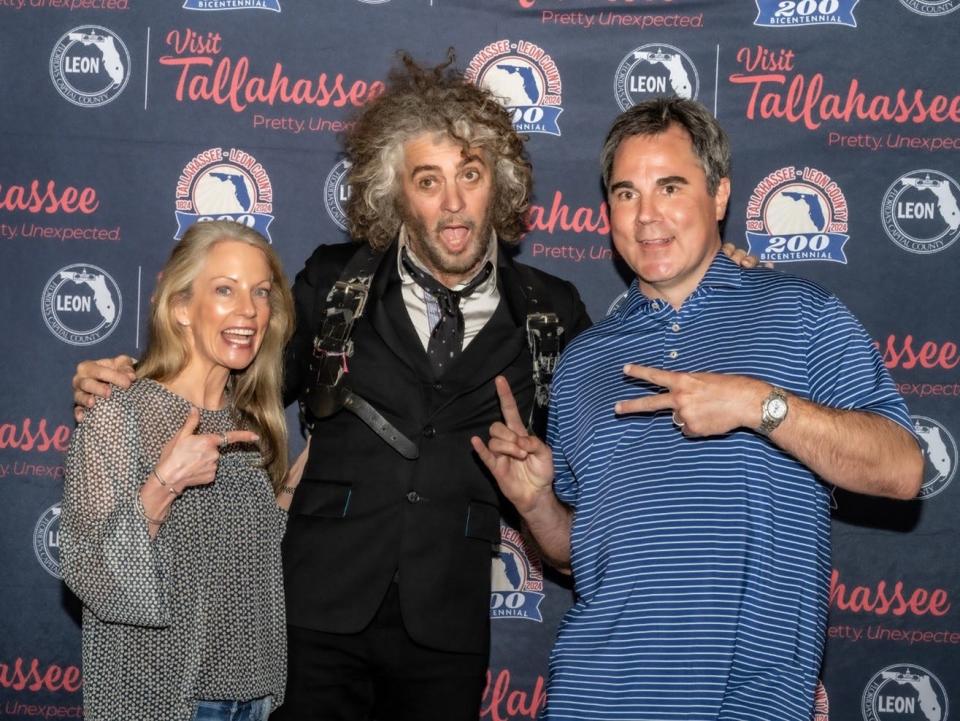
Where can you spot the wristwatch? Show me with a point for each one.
(773, 410)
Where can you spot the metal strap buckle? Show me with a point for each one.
(333, 346)
(544, 340)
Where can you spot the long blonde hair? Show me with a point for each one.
(255, 391)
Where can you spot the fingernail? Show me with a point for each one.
(627, 367)
(616, 407)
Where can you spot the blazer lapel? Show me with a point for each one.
(389, 318)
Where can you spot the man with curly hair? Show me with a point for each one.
(387, 558)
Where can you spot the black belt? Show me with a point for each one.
(378, 424)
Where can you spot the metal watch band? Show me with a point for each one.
(769, 422)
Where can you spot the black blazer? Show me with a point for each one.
(362, 512)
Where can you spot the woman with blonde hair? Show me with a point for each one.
(174, 503)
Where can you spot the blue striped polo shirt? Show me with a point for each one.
(701, 564)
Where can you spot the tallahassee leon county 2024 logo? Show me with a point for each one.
(904, 692)
(81, 304)
(516, 581)
(939, 453)
(336, 193)
(920, 211)
(931, 7)
(46, 540)
(790, 13)
(90, 66)
(653, 70)
(210, 5)
(526, 81)
(797, 215)
(224, 185)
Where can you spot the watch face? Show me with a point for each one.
(777, 408)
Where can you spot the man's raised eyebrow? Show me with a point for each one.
(473, 158)
(434, 168)
(623, 184)
(672, 180)
(424, 168)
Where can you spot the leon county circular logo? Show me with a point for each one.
(224, 185)
(516, 579)
(336, 193)
(797, 215)
(931, 7)
(81, 304)
(920, 211)
(90, 66)
(526, 81)
(939, 455)
(653, 70)
(46, 540)
(905, 692)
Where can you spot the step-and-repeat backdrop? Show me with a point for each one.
(122, 122)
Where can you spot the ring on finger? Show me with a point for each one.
(223, 439)
(676, 421)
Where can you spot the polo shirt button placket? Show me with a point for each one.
(673, 352)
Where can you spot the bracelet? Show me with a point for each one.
(163, 483)
(288, 490)
(142, 512)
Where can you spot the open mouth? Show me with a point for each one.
(455, 237)
(241, 337)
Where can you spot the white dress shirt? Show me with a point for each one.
(477, 308)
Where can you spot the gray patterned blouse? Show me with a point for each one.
(196, 613)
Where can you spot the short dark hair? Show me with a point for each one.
(652, 117)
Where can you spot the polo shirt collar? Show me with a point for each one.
(722, 273)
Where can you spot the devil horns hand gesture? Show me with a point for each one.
(521, 463)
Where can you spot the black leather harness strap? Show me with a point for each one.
(379, 425)
(332, 347)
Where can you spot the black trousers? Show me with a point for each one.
(378, 674)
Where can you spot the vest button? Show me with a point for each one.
(413, 497)
(429, 432)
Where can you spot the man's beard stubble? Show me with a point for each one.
(436, 261)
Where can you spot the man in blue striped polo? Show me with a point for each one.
(693, 432)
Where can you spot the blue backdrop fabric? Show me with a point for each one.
(123, 122)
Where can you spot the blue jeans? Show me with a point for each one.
(256, 710)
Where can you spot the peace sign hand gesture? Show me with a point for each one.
(703, 404)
